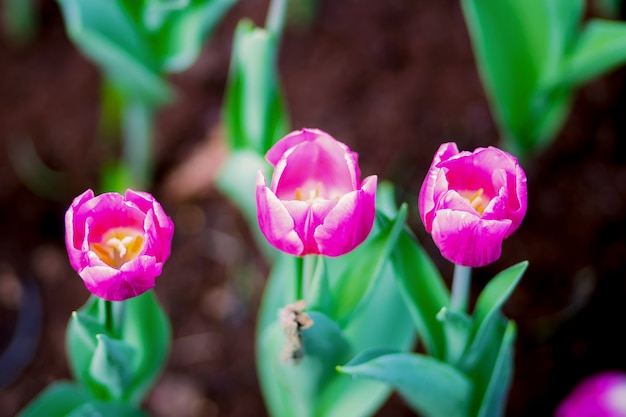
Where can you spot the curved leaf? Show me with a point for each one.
(430, 386)
(423, 291)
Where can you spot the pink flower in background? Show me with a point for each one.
(116, 243)
(602, 395)
(471, 201)
(316, 203)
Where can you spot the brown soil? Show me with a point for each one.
(392, 79)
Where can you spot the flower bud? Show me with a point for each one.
(316, 203)
(471, 201)
(116, 243)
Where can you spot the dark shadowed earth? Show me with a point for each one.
(393, 80)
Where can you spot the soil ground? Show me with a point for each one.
(393, 80)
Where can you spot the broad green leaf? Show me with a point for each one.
(341, 396)
(353, 275)
(487, 310)
(519, 47)
(147, 329)
(57, 400)
(431, 387)
(494, 400)
(498, 291)
(237, 180)
(423, 291)
(509, 41)
(600, 48)
(109, 366)
(106, 34)
(254, 111)
(183, 30)
(80, 342)
(325, 348)
(457, 327)
(144, 329)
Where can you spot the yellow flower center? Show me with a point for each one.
(119, 246)
(312, 194)
(477, 199)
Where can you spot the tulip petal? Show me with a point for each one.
(426, 202)
(75, 232)
(275, 220)
(466, 239)
(349, 222)
(314, 165)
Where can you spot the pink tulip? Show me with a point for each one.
(116, 243)
(602, 395)
(471, 201)
(316, 203)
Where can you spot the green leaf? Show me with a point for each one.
(147, 329)
(431, 387)
(110, 368)
(106, 34)
(600, 48)
(255, 115)
(423, 291)
(57, 400)
(183, 30)
(83, 327)
(340, 396)
(519, 46)
(93, 347)
(497, 291)
(494, 400)
(353, 276)
(487, 310)
(457, 327)
(325, 348)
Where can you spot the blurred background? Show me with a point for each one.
(391, 79)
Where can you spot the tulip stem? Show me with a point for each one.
(305, 271)
(460, 288)
(113, 316)
(299, 278)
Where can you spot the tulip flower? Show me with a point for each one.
(602, 395)
(471, 201)
(116, 243)
(316, 203)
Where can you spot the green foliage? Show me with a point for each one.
(431, 386)
(469, 366)
(255, 116)
(65, 399)
(532, 55)
(135, 42)
(118, 364)
(374, 317)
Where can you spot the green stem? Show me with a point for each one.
(305, 273)
(460, 288)
(138, 118)
(299, 272)
(275, 20)
(114, 317)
